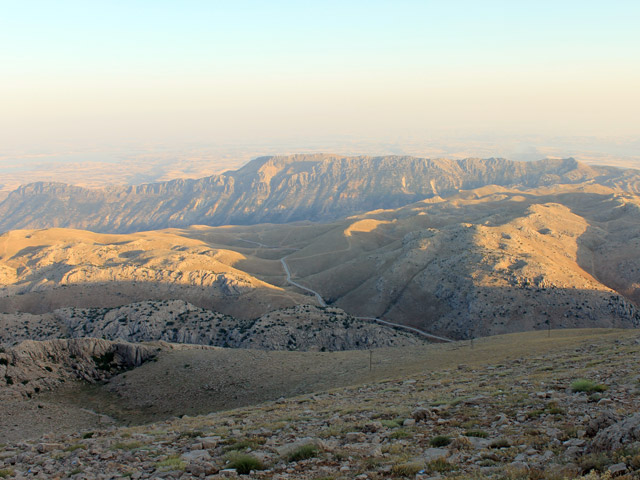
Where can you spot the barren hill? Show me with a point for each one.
(485, 261)
(48, 269)
(285, 189)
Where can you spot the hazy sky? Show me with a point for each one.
(164, 72)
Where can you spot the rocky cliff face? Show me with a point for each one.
(34, 366)
(284, 189)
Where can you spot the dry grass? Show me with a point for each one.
(142, 393)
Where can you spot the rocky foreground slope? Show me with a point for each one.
(286, 189)
(552, 408)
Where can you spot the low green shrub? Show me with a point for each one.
(440, 465)
(126, 445)
(173, 462)
(440, 441)
(244, 444)
(584, 385)
(555, 410)
(303, 452)
(476, 433)
(406, 469)
(391, 423)
(594, 461)
(500, 443)
(398, 434)
(244, 463)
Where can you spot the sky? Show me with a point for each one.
(141, 74)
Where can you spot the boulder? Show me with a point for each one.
(618, 435)
(604, 420)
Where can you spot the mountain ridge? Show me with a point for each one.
(283, 189)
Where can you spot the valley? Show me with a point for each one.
(486, 261)
(360, 316)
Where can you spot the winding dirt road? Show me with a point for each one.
(322, 303)
(286, 270)
(372, 319)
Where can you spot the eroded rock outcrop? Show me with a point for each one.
(304, 327)
(34, 366)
